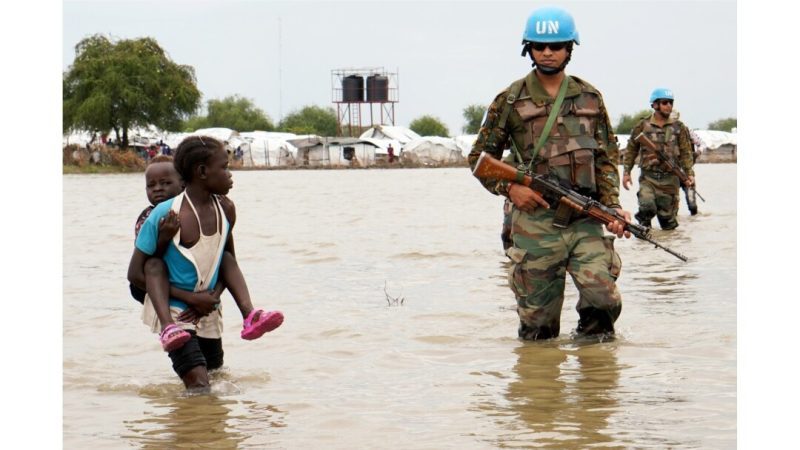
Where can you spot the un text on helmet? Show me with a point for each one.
(547, 27)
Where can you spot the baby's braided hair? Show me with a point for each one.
(192, 151)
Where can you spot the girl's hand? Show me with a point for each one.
(204, 302)
(169, 225)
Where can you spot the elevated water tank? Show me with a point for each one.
(377, 88)
(353, 88)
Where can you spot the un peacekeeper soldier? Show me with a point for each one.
(659, 189)
(581, 150)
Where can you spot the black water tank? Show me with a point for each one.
(353, 88)
(377, 88)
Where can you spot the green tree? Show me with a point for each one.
(125, 84)
(473, 114)
(310, 120)
(237, 113)
(723, 124)
(429, 126)
(626, 122)
(196, 123)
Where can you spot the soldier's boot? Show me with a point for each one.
(692, 208)
(595, 321)
(530, 333)
(643, 218)
(667, 223)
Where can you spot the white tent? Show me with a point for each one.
(174, 139)
(221, 134)
(337, 152)
(431, 150)
(262, 151)
(715, 140)
(465, 143)
(79, 138)
(383, 132)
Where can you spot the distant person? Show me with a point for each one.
(658, 187)
(200, 252)
(390, 151)
(581, 152)
(238, 154)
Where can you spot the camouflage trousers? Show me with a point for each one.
(541, 258)
(658, 196)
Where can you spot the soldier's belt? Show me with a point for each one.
(657, 174)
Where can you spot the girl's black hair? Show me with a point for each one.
(192, 151)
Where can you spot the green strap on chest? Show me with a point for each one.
(514, 91)
(556, 108)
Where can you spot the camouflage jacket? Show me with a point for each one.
(582, 125)
(675, 139)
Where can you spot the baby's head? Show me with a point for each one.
(162, 180)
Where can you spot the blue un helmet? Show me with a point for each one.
(661, 93)
(550, 24)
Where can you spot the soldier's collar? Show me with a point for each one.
(669, 121)
(539, 96)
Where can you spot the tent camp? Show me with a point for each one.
(715, 141)
(336, 152)
(431, 150)
(266, 149)
(385, 132)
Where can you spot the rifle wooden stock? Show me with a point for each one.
(489, 167)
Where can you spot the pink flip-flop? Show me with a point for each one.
(267, 321)
(173, 337)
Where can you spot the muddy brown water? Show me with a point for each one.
(400, 329)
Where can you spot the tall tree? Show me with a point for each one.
(723, 124)
(429, 126)
(310, 120)
(627, 122)
(473, 114)
(126, 84)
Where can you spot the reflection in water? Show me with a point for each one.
(205, 421)
(564, 394)
(199, 420)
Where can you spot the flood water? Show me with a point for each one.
(400, 328)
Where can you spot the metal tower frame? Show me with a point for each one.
(349, 113)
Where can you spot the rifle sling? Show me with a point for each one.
(514, 91)
(556, 108)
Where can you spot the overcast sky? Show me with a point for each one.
(447, 55)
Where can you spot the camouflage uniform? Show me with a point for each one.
(659, 189)
(581, 150)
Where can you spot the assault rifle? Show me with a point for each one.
(556, 194)
(674, 168)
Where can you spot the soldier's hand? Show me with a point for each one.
(618, 227)
(525, 198)
(626, 181)
(690, 181)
